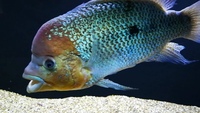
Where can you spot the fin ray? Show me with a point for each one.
(171, 53)
(165, 4)
(193, 12)
(106, 83)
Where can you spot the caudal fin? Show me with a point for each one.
(193, 11)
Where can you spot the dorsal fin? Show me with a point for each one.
(165, 4)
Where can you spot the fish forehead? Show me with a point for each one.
(47, 42)
(88, 22)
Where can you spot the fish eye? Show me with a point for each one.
(49, 64)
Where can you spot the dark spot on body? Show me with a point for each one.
(133, 30)
(169, 25)
(161, 21)
(185, 18)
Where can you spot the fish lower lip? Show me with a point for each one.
(35, 84)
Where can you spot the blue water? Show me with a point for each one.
(20, 21)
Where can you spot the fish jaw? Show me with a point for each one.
(35, 84)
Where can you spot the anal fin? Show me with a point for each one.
(171, 53)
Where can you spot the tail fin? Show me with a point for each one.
(194, 12)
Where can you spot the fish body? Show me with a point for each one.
(96, 39)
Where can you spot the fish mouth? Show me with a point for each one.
(35, 84)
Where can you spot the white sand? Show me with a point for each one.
(14, 103)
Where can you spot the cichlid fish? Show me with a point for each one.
(101, 37)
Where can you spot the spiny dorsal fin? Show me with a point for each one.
(165, 4)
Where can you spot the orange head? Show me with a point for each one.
(55, 63)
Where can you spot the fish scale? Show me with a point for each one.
(108, 27)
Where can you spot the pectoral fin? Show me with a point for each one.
(171, 53)
(106, 83)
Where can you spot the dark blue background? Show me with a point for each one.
(20, 21)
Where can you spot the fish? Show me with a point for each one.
(78, 49)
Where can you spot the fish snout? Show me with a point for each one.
(31, 69)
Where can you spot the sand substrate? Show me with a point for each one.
(14, 103)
